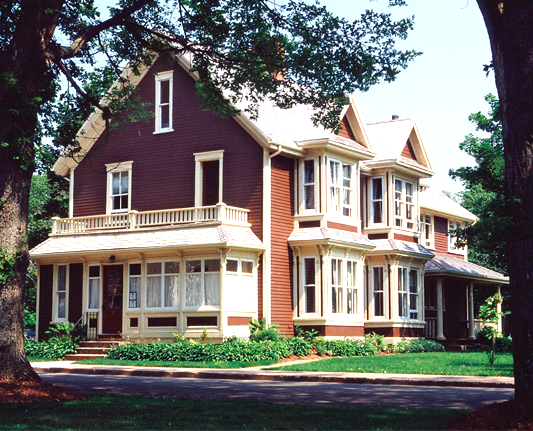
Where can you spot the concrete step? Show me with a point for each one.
(100, 344)
(92, 350)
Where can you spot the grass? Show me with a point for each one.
(445, 363)
(113, 412)
(178, 364)
(37, 359)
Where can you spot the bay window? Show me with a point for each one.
(336, 286)
(351, 288)
(309, 285)
(404, 204)
(402, 292)
(377, 291)
(376, 197)
(426, 230)
(134, 285)
(408, 293)
(343, 286)
(202, 282)
(309, 185)
(413, 294)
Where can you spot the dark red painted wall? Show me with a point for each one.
(46, 287)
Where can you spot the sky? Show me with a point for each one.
(440, 88)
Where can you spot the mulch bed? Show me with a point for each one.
(13, 391)
(498, 416)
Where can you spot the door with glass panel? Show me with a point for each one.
(112, 303)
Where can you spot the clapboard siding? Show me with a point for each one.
(346, 130)
(163, 169)
(408, 151)
(441, 235)
(282, 224)
(46, 288)
(75, 291)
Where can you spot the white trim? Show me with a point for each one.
(71, 194)
(303, 184)
(383, 201)
(159, 78)
(207, 156)
(100, 283)
(162, 274)
(304, 283)
(55, 302)
(112, 168)
(372, 305)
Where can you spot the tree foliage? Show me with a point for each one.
(484, 193)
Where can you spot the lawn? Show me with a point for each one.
(446, 363)
(113, 412)
(179, 364)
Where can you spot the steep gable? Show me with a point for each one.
(408, 151)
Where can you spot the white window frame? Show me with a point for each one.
(402, 284)
(427, 230)
(409, 273)
(199, 159)
(140, 278)
(309, 185)
(373, 201)
(452, 239)
(114, 168)
(403, 202)
(159, 78)
(336, 201)
(306, 283)
(202, 274)
(376, 292)
(352, 288)
(413, 312)
(89, 278)
(162, 276)
(58, 292)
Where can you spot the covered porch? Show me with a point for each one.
(454, 289)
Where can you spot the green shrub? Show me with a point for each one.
(417, 345)
(347, 347)
(378, 340)
(504, 345)
(53, 349)
(298, 346)
(271, 334)
(309, 336)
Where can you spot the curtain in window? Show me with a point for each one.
(135, 292)
(94, 289)
(171, 291)
(153, 291)
(212, 289)
(193, 294)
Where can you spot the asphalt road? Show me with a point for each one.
(340, 394)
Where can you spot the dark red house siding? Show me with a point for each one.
(75, 291)
(408, 151)
(441, 237)
(346, 130)
(46, 288)
(282, 225)
(163, 169)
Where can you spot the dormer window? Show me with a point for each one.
(340, 188)
(404, 204)
(163, 102)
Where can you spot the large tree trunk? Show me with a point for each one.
(25, 83)
(510, 28)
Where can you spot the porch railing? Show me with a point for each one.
(430, 331)
(146, 219)
(88, 323)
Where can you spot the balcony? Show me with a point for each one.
(135, 220)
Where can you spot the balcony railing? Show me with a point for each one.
(146, 219)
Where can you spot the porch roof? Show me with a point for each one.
(323, 235)
(394, 246)
(214, 235)
(443, 264)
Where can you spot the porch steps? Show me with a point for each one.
(461, 344)
(91, 350)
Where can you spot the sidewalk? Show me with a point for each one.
(263, 373)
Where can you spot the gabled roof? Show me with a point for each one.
(324, 235)
(444, 264)
(437, 202)
(289, 130)
(392, 140)
(154, 240)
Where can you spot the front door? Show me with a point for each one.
(112, 303)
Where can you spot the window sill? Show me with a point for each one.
(159, 132)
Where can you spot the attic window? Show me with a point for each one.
(163, 102)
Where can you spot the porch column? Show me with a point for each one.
(499, 310)
(471, 334)
(440, 319)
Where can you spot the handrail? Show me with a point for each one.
(85, 320)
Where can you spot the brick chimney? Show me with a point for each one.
(395, 117)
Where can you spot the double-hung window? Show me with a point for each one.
(340, 188)
(162, 280)
(119, 187)
(351, 287)
(309, 184)
(452, 238)
(93, 297)
(61, 292)
(404, 204)
(377, 291)
(163, 102)
(376, 198)
(413, 294)
(402, 293)
(336, 286)
(309, 283)
(426, 230)
(202, 283)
